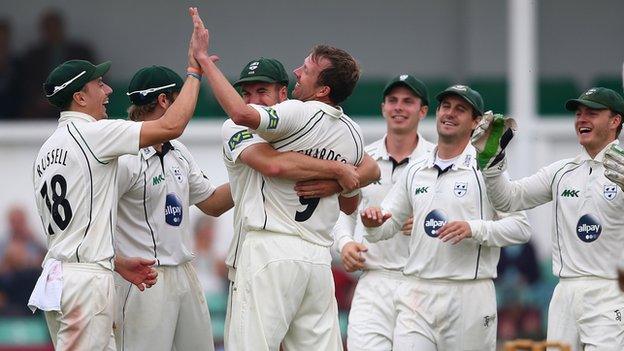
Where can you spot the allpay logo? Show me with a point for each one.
(588, 228)
(434, 221)
(173, 210)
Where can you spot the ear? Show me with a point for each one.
(79, 99)
(163, 101)
(423, 111)
(323, 91)
(282, 93)
(617, 120)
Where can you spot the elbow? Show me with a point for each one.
(272, 170)
(244, 117)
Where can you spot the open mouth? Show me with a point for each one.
(449, 123)
(584, 130)
(399, 118)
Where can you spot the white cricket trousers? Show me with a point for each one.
(171, 314)
(284, 293)
(373, 312)
(444, 315)
(587, 313)
(85, 321)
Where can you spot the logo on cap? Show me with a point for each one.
(588, 228)
(459, 87)
(590, 91)
(173, 210)
(252, 67)
(433, 222)
(403, 76)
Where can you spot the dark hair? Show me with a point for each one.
(343, 74)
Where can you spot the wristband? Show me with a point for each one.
(195, 75)
(351, 194)
(194, 70)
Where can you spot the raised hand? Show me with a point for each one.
(490, 138)
(374, 217)
(348, 179)
(614, 165)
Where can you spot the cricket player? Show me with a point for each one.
(74, 178)
(447, 301)
(249, 158)
(156, 188)
(586, 307)
(373, 314)
(283, 280)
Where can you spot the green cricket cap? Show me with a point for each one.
(598, 98)
(470, 95)
(149, 82)
(415, 85)
(266, 70)
(69, 77)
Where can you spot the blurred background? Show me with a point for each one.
(525, 57)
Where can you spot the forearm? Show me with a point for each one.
(229, 99)
(299, 167)
(343, 230)
(518, 195)
(219, 202)
(383, 232)
(171, 125)
(509, 230)
(368, 171)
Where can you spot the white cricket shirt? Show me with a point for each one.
(74, 178)
(155, 192)
(245, 183)
(387, 254)
(317, 130)
(588, 221)
(435, 197)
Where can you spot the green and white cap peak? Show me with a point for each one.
(415, 85)
(149, 82)
(70, 77)
(467, 93)
(263, 69)
(598, 98)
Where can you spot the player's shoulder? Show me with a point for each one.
(375, 146)
(178, 145)
(563, 164)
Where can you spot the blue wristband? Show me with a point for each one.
(195, 75)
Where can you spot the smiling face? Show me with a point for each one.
(403, 110)
(454, 119)
(262, 93)
(93, 98)
(595, 128)
(307, 87)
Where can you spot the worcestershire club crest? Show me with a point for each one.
(609, 191)
(460, 189)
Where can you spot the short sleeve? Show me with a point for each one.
(281, 120)
(109, 139)
(236, 139)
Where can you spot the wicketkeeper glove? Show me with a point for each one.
(614, 165)
(490, 138)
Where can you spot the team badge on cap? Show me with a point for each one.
(461, 188)
(459, 87)
(403, 77)
(609, 191)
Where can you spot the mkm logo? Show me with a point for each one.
(570, 193)
(157, 179)
(421, 190)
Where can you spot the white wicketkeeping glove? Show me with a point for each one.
(614, 165)
(490, 138)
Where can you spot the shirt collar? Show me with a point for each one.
(380, 151)
(466, 160)
(332, 111)
(584, 156)
(74, 116)
(150, 151)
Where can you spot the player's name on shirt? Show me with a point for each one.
(54, 156)
(323, 154)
